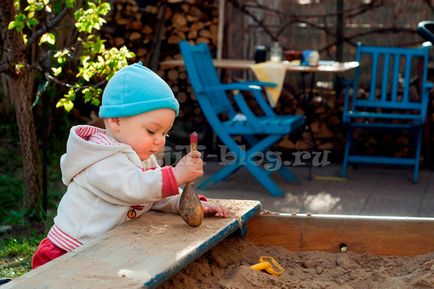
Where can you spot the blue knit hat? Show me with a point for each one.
(136, 89)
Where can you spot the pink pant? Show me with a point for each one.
(46, 252)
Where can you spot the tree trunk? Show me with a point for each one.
(29, 143)
(21, 82)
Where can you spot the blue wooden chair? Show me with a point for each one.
(228, 121)
(388, 104)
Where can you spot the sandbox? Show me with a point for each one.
(320, 251)
(227, 266)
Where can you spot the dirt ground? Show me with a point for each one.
(227, 266)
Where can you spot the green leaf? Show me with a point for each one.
(32, 22)
(71, 94)
(20, 17)
(18, 22)
(70, 3)
(57, 70)
(68, 105)
(97, 46)
(11, 25)
(57, 7)
(105, 8)
(91, 18)
(87, 94)
(96, 101)
(48, 38)
(30, 15)
(61, 56)
(60, 103)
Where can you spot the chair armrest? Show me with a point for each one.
(247, 86)
(260, 83)
(233, 86)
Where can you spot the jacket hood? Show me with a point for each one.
(81, 153)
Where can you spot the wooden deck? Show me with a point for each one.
(368, 190)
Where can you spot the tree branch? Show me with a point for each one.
(35, 36)
(293, 18)
(249, 7)
(428, 2)
(62, 83)
(349, 13)
(348, 39)
(254, 18)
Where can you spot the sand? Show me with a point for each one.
(227, 266)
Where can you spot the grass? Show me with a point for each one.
(16, 254)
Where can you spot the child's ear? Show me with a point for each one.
(114, 123)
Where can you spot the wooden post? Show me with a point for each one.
(221, 25)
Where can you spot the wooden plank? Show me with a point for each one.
(326, 66)
(144, 252)
(397, 236)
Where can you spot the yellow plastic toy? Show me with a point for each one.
(268, 264)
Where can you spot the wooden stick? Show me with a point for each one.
(190, 207)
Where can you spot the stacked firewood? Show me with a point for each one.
(192, 23)
(126, 27)
(135, 27)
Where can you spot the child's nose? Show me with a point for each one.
(159, 139)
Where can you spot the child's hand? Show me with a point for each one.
(215, 210)
(189, 168)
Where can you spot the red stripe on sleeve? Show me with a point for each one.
(170, 186)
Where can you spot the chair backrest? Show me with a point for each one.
(202, 74)
(392, 71)
(426, 30)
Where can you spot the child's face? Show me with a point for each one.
(146, 133)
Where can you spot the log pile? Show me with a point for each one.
(137, 27)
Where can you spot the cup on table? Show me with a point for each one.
(292, 55)
(260, 53)
(276, 52)
(310, 58)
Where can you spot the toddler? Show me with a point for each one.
(112, 175)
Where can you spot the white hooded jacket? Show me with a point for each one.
(108, 185)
